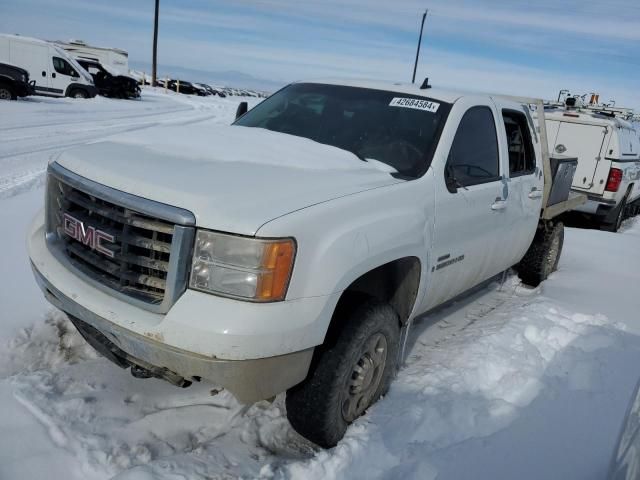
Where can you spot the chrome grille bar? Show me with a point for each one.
(146, 264)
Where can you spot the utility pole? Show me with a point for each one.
(415, 65)
(154, 67)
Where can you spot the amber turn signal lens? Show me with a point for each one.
(277, 263)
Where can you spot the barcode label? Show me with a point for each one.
(415, 103)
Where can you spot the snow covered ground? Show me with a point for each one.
(510, 382)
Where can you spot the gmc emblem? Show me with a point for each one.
(88, 235)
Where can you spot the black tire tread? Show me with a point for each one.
(12, 93)
(531, 268)
(620, 209)
(313, 405)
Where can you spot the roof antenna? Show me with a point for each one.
(425, 84)
(415, 65)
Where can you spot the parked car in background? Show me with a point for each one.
(54, 71)
(109, 82)
(14, 82)
(183, 86)
(213, 91)
(608, 152)
(200, 90)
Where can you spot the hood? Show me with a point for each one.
(234, 179)
(126, 80)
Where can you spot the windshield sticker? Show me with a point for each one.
(415, 103)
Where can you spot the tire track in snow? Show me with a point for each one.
(42, 140)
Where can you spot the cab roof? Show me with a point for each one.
(435, 93)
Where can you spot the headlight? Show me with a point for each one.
(250, 268)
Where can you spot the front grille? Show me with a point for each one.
(121, 248)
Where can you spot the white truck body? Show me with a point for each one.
(359, 227)
(54, 71)
(602, 144)
(114, 58)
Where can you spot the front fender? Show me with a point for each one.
(341, 240)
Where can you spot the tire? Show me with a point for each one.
(543, 255)
(79, 93)
(7, 93)
(620, 215)
(345, 378)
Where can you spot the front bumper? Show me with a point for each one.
(253, 350)
(248, 380)
(24, 89)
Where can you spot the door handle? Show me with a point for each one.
(53, 75)
(44, 74)
(499, 204)
(535, 193)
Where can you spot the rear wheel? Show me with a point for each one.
(6, 93)
(543, 255)
(347, 377)
(620, 215)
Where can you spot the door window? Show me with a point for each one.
(63, 67)
(474, 158)
(522, 160)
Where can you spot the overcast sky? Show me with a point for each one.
(511, 46)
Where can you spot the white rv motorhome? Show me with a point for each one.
(108, 57)
(608, 152)
(54, 71)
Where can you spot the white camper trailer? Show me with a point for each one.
(108, 57)
(608, 152)
(55, 72)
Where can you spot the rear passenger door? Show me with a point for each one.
(525, 183)
(470, 206)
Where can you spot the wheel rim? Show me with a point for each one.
(364, 380)
(5, 94)
(78, 95)
(552, 255)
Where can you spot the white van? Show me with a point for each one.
(608, 152)
(54, 71)
(107, 57)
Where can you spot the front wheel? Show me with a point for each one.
(79, 93)
(6, 93)
(543, 255)
(348, 377)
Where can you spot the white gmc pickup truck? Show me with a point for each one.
(291, 250)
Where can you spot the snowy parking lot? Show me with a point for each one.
(509, 382)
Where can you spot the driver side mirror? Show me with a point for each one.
(243, 107)
(450, 180)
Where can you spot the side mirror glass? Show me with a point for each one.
(242, 109)
(450, 179)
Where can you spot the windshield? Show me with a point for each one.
(398, 129)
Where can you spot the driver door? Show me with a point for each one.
(62, 75)
(471, 199)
